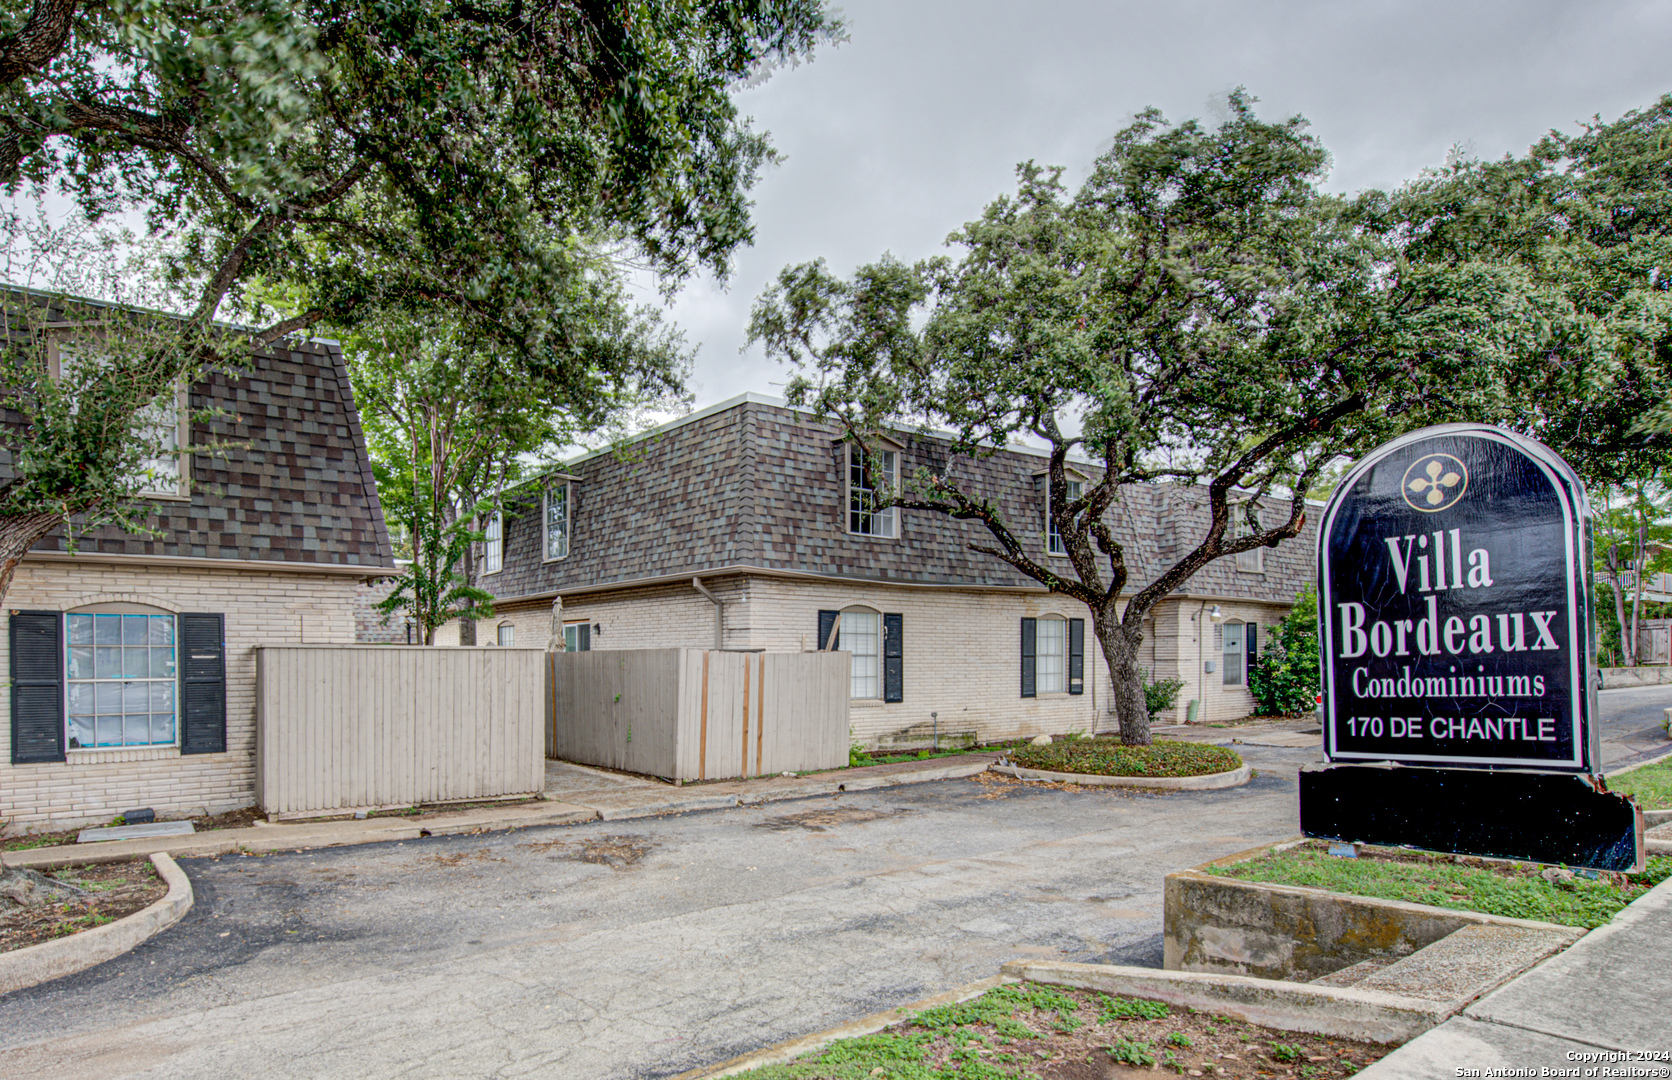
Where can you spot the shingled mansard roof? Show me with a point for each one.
(752, 483)
(293, 484)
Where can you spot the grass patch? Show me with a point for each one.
(1109, 757)
(1512, 890)
(1027, 1030)
(1651, 785)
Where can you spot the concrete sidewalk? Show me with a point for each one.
(1605, 995)
(580, 794)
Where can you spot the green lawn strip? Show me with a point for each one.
(1028, 1030)
(1512, 890)
(1108, 757)
(1651, 785)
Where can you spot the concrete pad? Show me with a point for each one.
(135, 832)
(1343, 1012)
(1472, 961)
(1462, 1043)
(1609, 989)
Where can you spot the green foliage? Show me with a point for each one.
(1650, 785)
(1120, 1008)
(1160, 694)
(1132, 1052)
(1285, 1052)
(1440, 882)
(1200, 311)
(452, 423)
(1284, 678)
(1106, 757)
(1179, 1038)
(485, 166)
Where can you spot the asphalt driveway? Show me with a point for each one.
(648, 947)
(627, 949)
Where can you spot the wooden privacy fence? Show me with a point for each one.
(342, 727)
(700, 714)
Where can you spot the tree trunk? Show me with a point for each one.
(1120, 653)
(19, 533)
(1637, 566)
(1625, 657)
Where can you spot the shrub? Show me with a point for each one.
(1160, 694)
(1284, 676)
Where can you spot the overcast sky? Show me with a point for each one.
(907, 130)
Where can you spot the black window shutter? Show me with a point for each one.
(1030, 673)
(1251, 634)
(583, 638)
(827, 623)
(202, 683)
(893, 660)
(37, 687)
(1076, 656)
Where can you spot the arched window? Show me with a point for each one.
(120, 677)
(1235, 643)
(507, 634)
(1051, 652)
(861, 635)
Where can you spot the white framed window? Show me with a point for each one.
(493, 545)
(1251, 562)
(861, 635)
(507, 634)
(162, 423)
(1051, 654)
(120, 680)
(1231, 659)
(555, 518)
(1053, 535)
(577, 637)
(864, 516)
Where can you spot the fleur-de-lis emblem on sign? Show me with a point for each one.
(1434, 482)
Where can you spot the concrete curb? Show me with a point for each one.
(869, 1025)
(54, 959)
(268, 838)
(1210, 782)
(1640, 765)
(1342, 1012)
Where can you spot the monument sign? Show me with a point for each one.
(1458, 646)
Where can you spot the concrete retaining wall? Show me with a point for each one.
(1231, 926)
(1614, 678)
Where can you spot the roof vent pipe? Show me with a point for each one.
(719, 609)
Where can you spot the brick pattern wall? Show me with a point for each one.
(370, 626)
(294, 483)
(94, 786)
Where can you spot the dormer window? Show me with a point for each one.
(161, 422)
(1249, 562)
(493, 545)
(556, 521)
(1053, 535)
(865, 487)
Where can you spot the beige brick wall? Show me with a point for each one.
(661, 616)
(1187, 637)
(93, 786)
(962, 647)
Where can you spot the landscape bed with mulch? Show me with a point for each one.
(1514, 890)
(232, 819)
(102, 893)
(1050, 1033)
(1110, 757)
